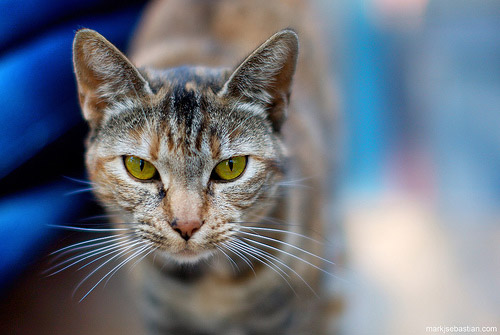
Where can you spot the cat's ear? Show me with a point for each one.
(104, 75)
(265, 77)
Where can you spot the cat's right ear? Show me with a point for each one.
(104, 75)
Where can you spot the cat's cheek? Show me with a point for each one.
(214, 233)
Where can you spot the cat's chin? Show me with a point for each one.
(185, 256)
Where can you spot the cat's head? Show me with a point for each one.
(185, 154)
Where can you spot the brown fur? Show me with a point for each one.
(186, 120)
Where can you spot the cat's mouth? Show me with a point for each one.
(187, 254)
(174, 247)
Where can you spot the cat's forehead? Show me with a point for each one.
(185, 93)
(186, 78)
(186, 118)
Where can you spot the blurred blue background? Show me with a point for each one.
(419, 194)
(419, 83)
(42, 129)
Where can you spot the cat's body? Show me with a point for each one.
(188, 120)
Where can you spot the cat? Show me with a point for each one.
(215, 176)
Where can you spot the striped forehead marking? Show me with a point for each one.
(184, 120)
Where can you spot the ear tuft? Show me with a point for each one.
(103, 74)
(265, 77)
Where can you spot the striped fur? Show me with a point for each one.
(251, 268)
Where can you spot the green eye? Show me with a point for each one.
(139, 168)
(231, 168)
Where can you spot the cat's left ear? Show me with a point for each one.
(104, 75)
(265, 77)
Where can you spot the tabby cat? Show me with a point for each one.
(215, 176)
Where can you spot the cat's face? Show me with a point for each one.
(185, 155)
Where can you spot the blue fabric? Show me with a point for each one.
(37, 86)
(39, 105)
(24, 228)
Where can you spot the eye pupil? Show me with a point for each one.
(230, 164)
(141, 164)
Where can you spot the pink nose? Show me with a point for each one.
(186, 228)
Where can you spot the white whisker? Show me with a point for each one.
(136, 254)
(234, 266)
(99, 230)
(84, 242)
(137, 251)
(103, 256)
(295, 183)
(102, 216)
(87, 182)
(258, 256)
(273, 221)
(120, 252)
(276, 259)
(282, 231)
(290, 254)
(89, 254)
(289, 245)
(235, 251)
(153, 248)
(92, 245)
(83, 190)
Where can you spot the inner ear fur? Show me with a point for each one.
(104, 75)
